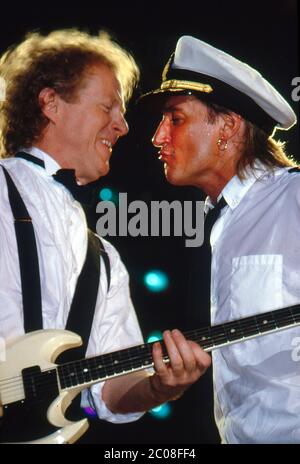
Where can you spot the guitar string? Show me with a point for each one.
(199, 333)
(190, 335)
(134, 355)
(123, 365)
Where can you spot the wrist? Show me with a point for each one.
(161, 396)
(156, 393)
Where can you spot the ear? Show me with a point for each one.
(230, 125)
(48, 100)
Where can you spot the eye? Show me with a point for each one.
(176, 120)
(106, 108)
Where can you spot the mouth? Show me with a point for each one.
(165, 157)
(108, 144)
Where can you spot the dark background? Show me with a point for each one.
(262, 33)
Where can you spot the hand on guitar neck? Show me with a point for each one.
(178, 364)
(187, 363)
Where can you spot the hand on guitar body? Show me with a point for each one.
(139, 391)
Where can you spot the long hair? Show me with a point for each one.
(59, 61)
(257, 145)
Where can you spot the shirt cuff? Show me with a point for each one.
(92, 398)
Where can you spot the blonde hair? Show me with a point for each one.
(257, 144)
(58, 60)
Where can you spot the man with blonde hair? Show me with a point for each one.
(63, 113)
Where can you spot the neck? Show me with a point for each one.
(54, 152)
(213, 181)
(213, 184)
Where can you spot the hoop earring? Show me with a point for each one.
(222, 144)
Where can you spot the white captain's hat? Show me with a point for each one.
(214, 76)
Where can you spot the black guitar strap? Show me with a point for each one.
(84, 300)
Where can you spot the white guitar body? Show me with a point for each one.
(42, 348)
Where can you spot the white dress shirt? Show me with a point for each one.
(61, 234)
(256, 268)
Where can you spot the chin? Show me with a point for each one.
(174, 180)
(103, 170)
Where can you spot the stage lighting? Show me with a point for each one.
(154, 336)
(163, 411)
(106, 194)
(109, 194)
(156, 281)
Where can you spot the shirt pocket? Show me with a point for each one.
(256, 284)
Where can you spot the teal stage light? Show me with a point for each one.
(154, 336)
(156, 281)
(108, 194)
(161, 412)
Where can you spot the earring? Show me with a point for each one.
(222, 144)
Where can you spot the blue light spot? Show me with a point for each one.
(156, 281)
(163, 411)
(154, 337)
(106, 194)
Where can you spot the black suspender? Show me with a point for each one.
(82, 309)
(83, 305)
(28, 259)
(104, 254)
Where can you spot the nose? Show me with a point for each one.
(162, 133)
(120, 125)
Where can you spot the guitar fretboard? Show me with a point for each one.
(91, 370)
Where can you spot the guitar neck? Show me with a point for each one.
(99, 368)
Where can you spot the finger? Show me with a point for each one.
(185, 350)
(202, 358)
(176, 362)
(157, 355)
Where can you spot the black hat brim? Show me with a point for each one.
(223, 95)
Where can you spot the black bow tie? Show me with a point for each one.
(85, 194)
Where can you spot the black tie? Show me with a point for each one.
(85, 194)
(210, 218)
(198, 299)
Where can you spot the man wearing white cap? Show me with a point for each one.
(219, 116)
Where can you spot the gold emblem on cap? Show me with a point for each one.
(175, 84)
(166, 68)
